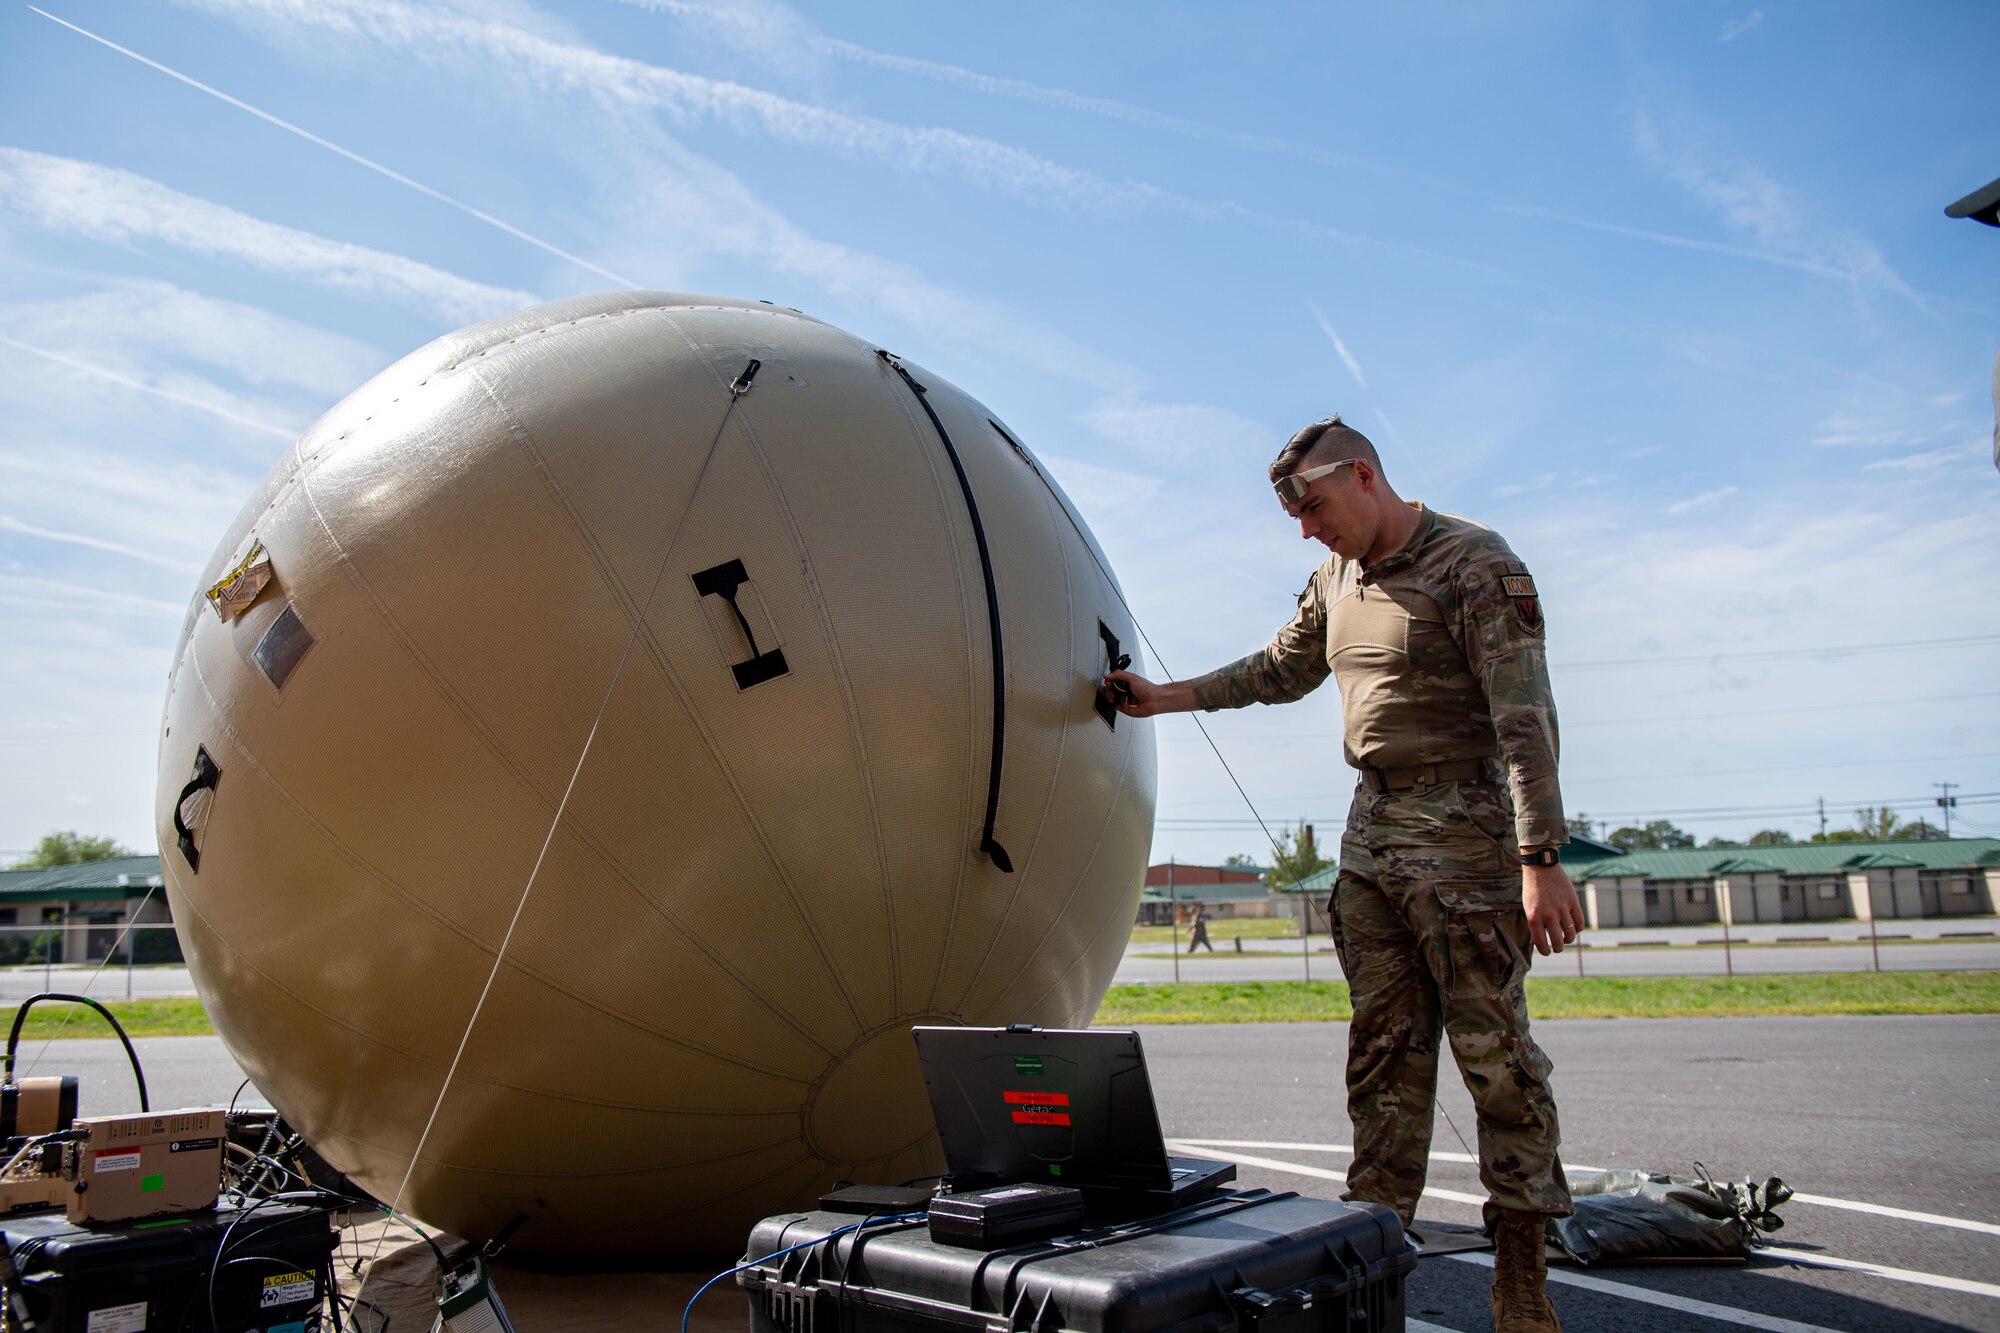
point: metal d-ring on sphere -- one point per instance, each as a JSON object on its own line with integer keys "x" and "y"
{"x": 784, "y": 843}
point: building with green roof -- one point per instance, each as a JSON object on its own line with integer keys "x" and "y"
{"x": 1819, "y": 881}
{"x": 89, "y": 903}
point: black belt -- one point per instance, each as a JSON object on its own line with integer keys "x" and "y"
{"x": 1423, "y": 775}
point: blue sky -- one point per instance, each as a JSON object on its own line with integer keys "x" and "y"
{"x": 1664, "y": 292}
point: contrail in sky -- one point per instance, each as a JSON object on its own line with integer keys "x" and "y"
{"x": 8, "y": 523}
{"x": 282, "y": 432}
{"x": 1353, "y": 366}
{"x": 349, "y": 154}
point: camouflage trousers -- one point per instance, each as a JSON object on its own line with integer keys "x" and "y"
{"x": 1431, "y": 935}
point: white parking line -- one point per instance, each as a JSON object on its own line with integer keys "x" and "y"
{"x": 1298, "y": 1169}
{"x": 1647, "y": 1296}
{"x": 1816, "y": 1200}
{"x": 1906, "y": 1214}
{"x": 1911, "y": 1275}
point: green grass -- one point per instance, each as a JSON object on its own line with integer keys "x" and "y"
{"x": 1582, "y": 997}
{"x": 1248, "y": 928}
{"x": 175, "y": 1016}
{"x": 1326, "y": 1001}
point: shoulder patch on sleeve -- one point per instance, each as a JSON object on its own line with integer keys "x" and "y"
{"x": 1519, "y": 587}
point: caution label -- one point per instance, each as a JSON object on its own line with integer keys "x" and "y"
{"x": 1035, "y": 1098}
{"x": 115, "y": 1159}
{"x": 117, "y": 1319}
{"x": 287, "y": 1289}
{"x": 194, "y": 1145}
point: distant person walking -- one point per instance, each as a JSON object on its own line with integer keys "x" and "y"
{"x": 1448, "y": 868}
{"x": 1199, "y": 931}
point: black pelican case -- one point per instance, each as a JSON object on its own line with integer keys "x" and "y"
{"x": 1247, "y": 1260}
{"x": 262, "y": 1264}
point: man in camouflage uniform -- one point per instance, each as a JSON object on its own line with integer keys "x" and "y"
{"x": 1433, "y": 629}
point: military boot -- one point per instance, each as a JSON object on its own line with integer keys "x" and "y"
{"x": 1520, "y": 1270}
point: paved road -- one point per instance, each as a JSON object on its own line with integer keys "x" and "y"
{"x": 1883, "y": 1112}
{"x": 1901, "y": 1112}
{"x": 1928, "y": 928}
{"x": 1270, "y": 960}
{"x": 110, "y": 983}
{"x": 1678, "y": 961}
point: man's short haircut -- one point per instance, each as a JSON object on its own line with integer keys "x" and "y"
{"x": 1321, "y": 443}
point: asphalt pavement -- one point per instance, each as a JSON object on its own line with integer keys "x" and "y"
{"x": 1860, "y": 1115}
{"x": 1682, "y": 951}
{"x": 1889, "y": 1127}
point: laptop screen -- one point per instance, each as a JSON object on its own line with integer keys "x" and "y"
{"x": 1050, "y": 1105}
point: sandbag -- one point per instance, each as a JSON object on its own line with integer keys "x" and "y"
{"x": 1624, "y": 1214}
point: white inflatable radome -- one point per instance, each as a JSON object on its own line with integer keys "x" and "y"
{"x": 756, "y": 667}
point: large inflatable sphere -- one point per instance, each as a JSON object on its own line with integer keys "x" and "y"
{"x": 700, "y": 697}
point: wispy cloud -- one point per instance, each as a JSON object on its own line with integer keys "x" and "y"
{"x": 53, "y": 595}
{"x": 1346, "y": 357}
{"x": 1737, "y": 27}
{"x": 109, "y": 204}
{"x": 1858, "y": 430}
{"x": 131, "y": 324}
{"x": 557, "y": 66}
{"x": 781, "y": 32}
{"x": 1931, "y": 460}
{"x": 332, "y": 147}
{"x": 160, "y": 504}
{"x": 196, "y": 402}
{"x": 476, "y": 43}
{"x": 1180, "y": 431}
{"x": 1100, "y": 490}
{"x": 8, "y": 523}
{"x": 1803, "y": 265}
{"x": 1745, "y": 197}
{"x": 1541, "y": 483}
{"x": 661, "y": 197}
{"x": 1700, "y": 501}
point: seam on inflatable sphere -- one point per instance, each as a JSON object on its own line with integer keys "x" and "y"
{"x": 546, "y": 329}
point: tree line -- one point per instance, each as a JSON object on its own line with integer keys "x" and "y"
{"x": 1871, "y": 824}
{"x": 1296, "y": 855}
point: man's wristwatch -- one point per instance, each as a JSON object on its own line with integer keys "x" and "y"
{"x": 1541, "y": 856}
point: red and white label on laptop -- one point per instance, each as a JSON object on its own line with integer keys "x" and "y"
{"x": 1038, "y": 1108}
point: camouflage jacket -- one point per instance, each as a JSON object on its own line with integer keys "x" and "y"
{"x": 1437, "y": 650}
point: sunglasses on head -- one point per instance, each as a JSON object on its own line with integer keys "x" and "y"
{"x": 1292, "y": 487}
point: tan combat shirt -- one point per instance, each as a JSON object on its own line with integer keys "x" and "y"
{"x": 1437, "y": 649}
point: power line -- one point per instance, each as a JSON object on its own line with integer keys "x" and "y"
{"x": 1792, "y": 810}
{"x": 1773, "y": 712}
{"x": 1783, "y": 768}
{"x": 1780, "y": 654}
{"x": 1684, "y": 717}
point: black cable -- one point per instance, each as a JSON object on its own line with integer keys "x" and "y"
{"x": 779, "y": 1254}
{"x": 216, "y": 1264}
{"x": 988, "y": 844}
{"x": 21, "y": 1017}
{"x": 854, "y": 1251}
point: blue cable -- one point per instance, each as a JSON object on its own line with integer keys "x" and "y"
{"x": 792, "y": 1249}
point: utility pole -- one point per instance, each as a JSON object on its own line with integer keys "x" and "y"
{"x": 1947, "y": 803}
{"x": 1822, "y": 819}
{"x": 1307, "y": 853}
